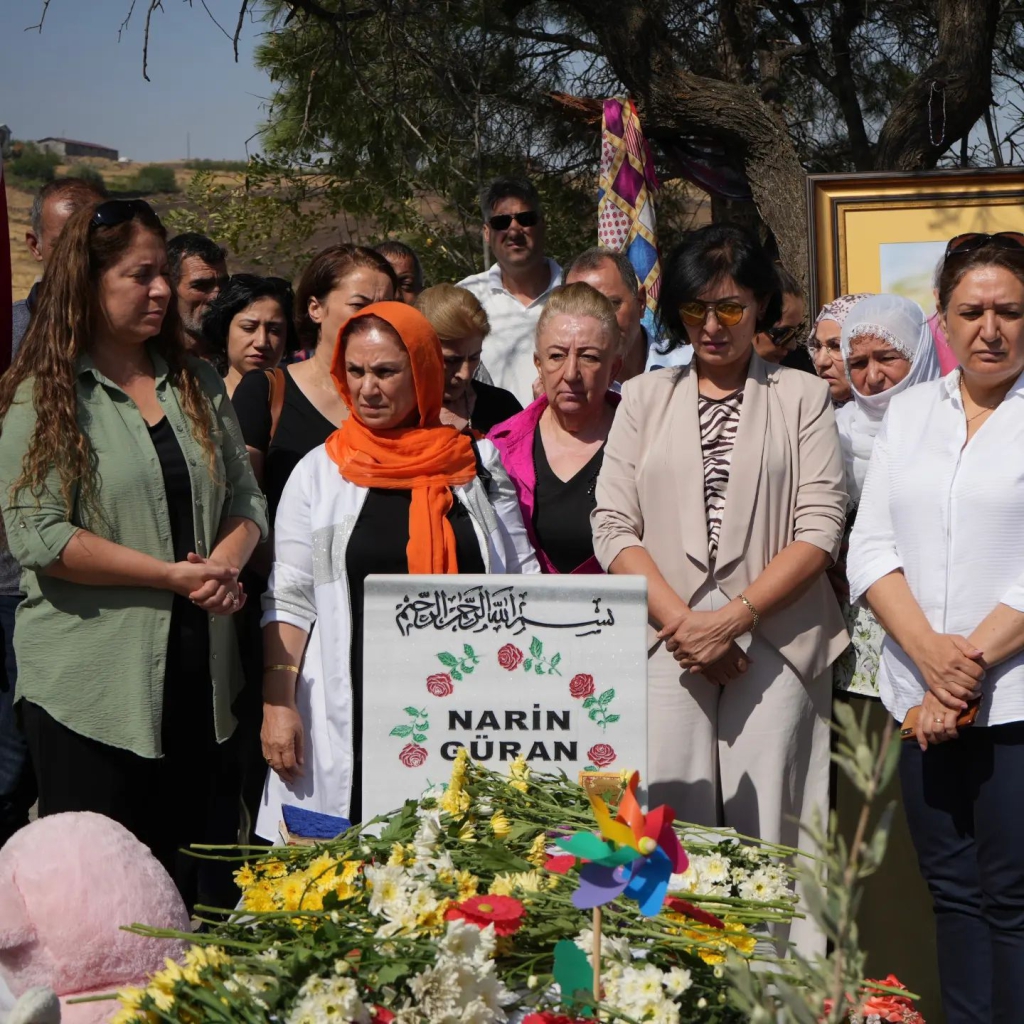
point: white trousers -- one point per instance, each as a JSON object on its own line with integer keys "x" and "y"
{"x": 752, "y": 755}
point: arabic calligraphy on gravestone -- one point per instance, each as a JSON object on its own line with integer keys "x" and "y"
{"x": 551, "y": 669}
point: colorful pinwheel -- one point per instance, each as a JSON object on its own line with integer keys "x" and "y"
{"x": 635, "y": 854}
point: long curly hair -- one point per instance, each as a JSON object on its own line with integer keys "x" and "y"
{"x": 61, "y": 329}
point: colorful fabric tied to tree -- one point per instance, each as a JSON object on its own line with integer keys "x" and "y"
{"x": 625, "y": 202}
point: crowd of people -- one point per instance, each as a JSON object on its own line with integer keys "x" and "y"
{"x": 199, "y": 471}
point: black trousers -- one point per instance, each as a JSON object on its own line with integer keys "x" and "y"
{"x": 965, "y": 809}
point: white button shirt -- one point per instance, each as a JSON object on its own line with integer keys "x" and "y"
{"x": 508, "y": 348}
{"x": 952, "y": 518}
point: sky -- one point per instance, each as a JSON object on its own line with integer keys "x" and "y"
{"x": 75, "y": 80}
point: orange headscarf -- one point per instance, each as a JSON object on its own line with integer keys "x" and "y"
{"x": 426, "y": 459}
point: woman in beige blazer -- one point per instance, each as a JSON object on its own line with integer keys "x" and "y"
{"x": 723, "y": 485}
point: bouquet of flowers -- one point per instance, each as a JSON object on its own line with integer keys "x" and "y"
{"x": 450, "y": 916}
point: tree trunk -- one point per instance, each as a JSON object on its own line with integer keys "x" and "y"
{"x": 944, "y": 102}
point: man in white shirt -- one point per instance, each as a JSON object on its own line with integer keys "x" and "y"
{"x": 612, "y": 274}
{"x": 514, "y": 290}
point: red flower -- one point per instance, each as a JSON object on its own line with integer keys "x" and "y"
{"x": 886, "y": 1005}
{"x": 382, "y": 1015}
{"x": 412, "y": 755}
{"x": 560, "y": 864}
{"x": 601, "y": 754}
{"x": 510, "y": 657}
{"x": 440, "y": 685}
{"x": 505, "y": 913}
{"x": 581, "y": 686}
{"x": 550, "y": 1017}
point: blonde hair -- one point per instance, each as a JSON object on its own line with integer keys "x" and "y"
{"x": 580, "y": 299}
{"x": 453, "y": 312}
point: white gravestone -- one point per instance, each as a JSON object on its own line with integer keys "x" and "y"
{"x": 550, "y": 667}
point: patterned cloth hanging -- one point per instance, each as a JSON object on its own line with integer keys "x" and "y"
{"x": 625, "y": 203}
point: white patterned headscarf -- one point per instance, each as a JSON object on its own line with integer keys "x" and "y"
{"x": 838, "y": 309}
{"x": 903, "y": 324}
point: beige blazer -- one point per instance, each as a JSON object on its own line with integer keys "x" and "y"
{"x": 785, "y": 484}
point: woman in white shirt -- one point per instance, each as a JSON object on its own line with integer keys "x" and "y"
{"x": 392, "y": 491}
{"x": 937, "y": 552}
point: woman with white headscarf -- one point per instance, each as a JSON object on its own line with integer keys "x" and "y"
{"x": 887, "y": 347}
{"x": 823, "y": 346}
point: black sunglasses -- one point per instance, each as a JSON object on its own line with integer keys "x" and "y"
{"x": 525, "y": 219}
{"x": 972, "y": 240}
{"x": 117, "y": 211}
{"x": 782, "y": 336}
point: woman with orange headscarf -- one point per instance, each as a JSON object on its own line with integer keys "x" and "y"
{"x": 392, "y": 491}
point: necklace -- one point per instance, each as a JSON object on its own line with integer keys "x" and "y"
{"x": 323, "y": 379}
{"x": 971, "y": 419}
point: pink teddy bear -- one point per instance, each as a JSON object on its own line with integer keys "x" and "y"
{"x": 68, "y": 883}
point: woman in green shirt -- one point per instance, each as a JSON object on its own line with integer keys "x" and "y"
{"x": 130, "y": 504}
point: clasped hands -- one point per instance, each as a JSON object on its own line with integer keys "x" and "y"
{"x": 705, "y": 642}
{"x": 953, "y": 669}
{"x": 207, "y": 583}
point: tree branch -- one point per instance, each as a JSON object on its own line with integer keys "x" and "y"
{"x": 560, "y": 38}
{"x": 42, "y": 18}
{"x": 238, "y": 27}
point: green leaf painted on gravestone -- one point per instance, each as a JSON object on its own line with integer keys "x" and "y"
{"x": 419, "y": 737}
{"x": 611, "y": 718}
{"x": 555, "y": 660}
{"x": 606, "y": 698}
{"x": 468, "y": 651}
{"x": 590, "y": 702}
{"x": 415, "y": 712}
{"x": 401, "y": 730}
{"x": 448, "y": 659}
{"x": 456, "y": 675}
{"x": 528, "y": 664}
{"x": 536, "y": 647}
{"x": 539, "y": 669}
{"x": 572, "y": 972}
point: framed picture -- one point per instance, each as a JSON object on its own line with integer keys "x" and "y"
{"x": 887, "y": 232}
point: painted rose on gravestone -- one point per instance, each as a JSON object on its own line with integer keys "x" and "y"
{"x": 412, "y": 755}
{"x": 601, "y": 754}
{"x": 440, "y": 684}
{"x": 581, "y": 686}
{"x": 510, "y": 657}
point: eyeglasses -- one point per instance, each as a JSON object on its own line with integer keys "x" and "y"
{"x": 976, "y": 239}
{"x": 503, "y": 221}
{"x": 781, "y": 336}
{"x": 117, "y": 211}
{"x": 727, "y": 313}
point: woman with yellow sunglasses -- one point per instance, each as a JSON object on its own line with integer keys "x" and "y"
{"x": 722, "y": 484}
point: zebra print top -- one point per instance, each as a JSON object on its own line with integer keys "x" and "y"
{"x": 719, "y": 419}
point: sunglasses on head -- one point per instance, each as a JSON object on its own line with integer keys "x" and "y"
{"x": 976, "y": 239}
{"x": 781, "y": 336}
{"x": 728, "y": 313}
{"x": 117, "y": 211}
{"x": 503, "y": 221}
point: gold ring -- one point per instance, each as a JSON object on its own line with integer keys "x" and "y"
{"x": 938, "y": 721}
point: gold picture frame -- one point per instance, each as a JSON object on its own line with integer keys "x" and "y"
{"x": 887, "y": 231}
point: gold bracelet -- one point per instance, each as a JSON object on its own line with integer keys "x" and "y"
{"x": 753, "y": 611}
{"x": 281, "y": 668}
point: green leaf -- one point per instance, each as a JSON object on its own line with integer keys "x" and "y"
{"x": 539, "y": 669}
{"x": 390, "y": 971}
{"x": 606, "y": 698}
{"x": 419, "y": 737}
{"x": 528, "y": 664}
{"x": 448, "y": 659}
{"x": 456, "y": 675}
{"x": 536, "y": 647}
{"x": 468, "y": 669}
{"x": 611, "y": 718}
{"x": 401, "y": 730}
{"x": 590, "y": 702}
{"x": 593, "y": 713}
{"x": 468, "y": 651}
{"x": 415, "y": 712}
{"x": 555, "y": 660}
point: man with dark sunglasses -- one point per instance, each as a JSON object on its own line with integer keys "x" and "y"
{"x": 514, "y": 290}
{"x": 198, "y": 272}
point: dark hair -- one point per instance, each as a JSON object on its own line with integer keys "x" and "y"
{"x": 241, "y": 291}
{"x": 392, "y": 249}
{"x": 957, "y": 266}
{"x": 76, "y": 192}
{"x": 191, "y": 243}
{"x": 327, "y": 270}
{"x": 705, "y": 257}
{"x": 592, "y": 259}
{"x": 509, "y": 188}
